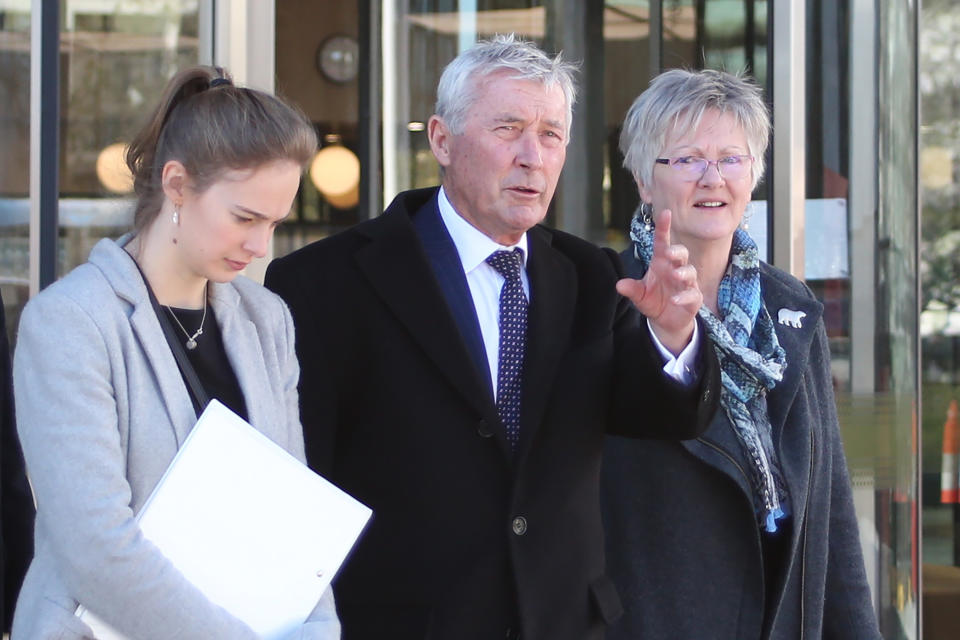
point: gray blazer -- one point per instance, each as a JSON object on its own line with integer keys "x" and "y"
{"x": 683, "y": 545}
{"x": 101, "y": 411}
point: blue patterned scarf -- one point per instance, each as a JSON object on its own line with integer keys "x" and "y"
{"x": 751, "y": 363}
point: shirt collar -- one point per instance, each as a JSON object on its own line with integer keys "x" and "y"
{"x": 473, "y": 246}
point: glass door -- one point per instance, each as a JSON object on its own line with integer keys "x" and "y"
{"x": 15, "y": 41}
{"x": 115, "y": 59}
{"x": 940, "y": 315}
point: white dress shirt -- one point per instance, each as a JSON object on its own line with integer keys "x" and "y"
{"x": 473, "y": 247}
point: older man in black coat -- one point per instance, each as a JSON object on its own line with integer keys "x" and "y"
{"x": 461, "y": 365}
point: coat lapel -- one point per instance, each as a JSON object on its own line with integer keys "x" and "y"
{"x": 795, "y": 438}
{"x": 176, "y": 398}
{"x": 553, "y": 294}
{"x": 448, "y": 271}
{"x": 123, "y": 275}
{"x": 398, "y": 270}
{"x": 242, "y": 344}
{"x": 795, "y": 340}
{"x": 719, "y": 446}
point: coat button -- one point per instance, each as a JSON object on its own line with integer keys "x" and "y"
{"x": 484, "y": 430}
{"x": 519, "y": 525}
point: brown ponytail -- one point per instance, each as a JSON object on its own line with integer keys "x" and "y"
{"x": 212, "y": 126}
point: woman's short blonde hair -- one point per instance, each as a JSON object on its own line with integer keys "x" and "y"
{"x": 677, "y": 99}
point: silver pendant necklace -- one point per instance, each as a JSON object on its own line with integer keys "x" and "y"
{"x": 191, "y": 342}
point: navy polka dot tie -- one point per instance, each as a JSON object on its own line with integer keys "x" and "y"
{"x": 513, "y": 334}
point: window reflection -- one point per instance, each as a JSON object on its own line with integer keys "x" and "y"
{"x": 318, "y": 60}
{"x": 721, "y": 34}
{"x": 14, "y": 163}
{"x": 426, "y": 36}
{"x": 115, "y": 59}
{"x": 728, "y": 35}
{"x": 940, "y": 315}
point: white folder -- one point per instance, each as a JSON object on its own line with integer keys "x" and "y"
{"x": 252, "y": 527}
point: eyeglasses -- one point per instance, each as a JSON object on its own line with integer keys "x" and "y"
{"x": 692, "y": 168}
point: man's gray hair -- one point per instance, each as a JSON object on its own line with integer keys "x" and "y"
{"x": 458, "y": 85}
{"x": 677, "y": 100}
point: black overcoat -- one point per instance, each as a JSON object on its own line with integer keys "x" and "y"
{"x": 397, "y": 414}
{"x": 16, "y": 500}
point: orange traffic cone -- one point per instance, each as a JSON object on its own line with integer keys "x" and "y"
{"x": 950, "y": 468}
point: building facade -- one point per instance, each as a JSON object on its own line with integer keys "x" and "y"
{"x": 865, "y": 99}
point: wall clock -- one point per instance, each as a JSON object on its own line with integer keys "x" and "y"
{"x": 338, "y": 58}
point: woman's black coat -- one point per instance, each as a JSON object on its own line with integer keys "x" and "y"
{"x": 683, "y": 544}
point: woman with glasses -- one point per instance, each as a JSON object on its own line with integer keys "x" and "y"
{"x": 749, "y": 531}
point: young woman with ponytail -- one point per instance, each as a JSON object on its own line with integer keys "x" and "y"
{"x": 102, "y": 403}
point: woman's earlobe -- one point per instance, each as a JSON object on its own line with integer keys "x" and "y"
{"x": 645, "y": 194}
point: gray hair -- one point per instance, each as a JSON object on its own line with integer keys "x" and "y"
{"x": 677, "y": 99}
{"x": 456, "y": 90}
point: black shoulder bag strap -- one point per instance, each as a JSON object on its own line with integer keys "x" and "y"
{"x": 197, "y": 393}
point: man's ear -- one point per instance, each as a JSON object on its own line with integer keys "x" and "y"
{"x": 174, "y": 180}
{"x": 440, "y": 138}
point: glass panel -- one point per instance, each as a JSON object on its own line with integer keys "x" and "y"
{"x": 421, "y": 37}
{"x": 115, "y": 60}
{"x": 318, "y": 57}
{"x": 626, "y": 36}
{"x": 940, "y": 318}
{"x": 828, "y": 176}
{"x": 14, "y": 159}
{"x": 897, "y": 358}
{"x": 864, "y": 175}
{"x": 721, "y": 34}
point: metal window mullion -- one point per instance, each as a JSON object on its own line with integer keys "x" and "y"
{"x": 244, "y": 41}
{"x": 44, "y": 142}
{"x": 394, "y": 58}
{"x": 655, "y": 38}
{"x": 370, "y": 101}
{"x": 207, "y": 31}
{"x": 917, "y": 345}
{"x": 788, "y": 221}
{"x": 576, "y": 29}
{"x": 863, "y": 196}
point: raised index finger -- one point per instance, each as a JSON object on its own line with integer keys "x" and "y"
{"x": 661, "y": 232}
